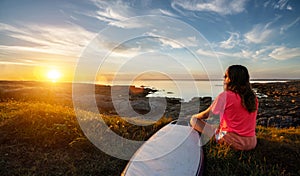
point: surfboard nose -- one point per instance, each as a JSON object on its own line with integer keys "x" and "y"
{"x": 173, "y": 150}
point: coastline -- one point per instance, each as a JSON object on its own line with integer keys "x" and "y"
{"x": 281, "y": 106}
{"x": 279, "y": 102}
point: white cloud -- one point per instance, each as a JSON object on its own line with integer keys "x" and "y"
{"x": 120, "y": 14}
{"x": 113, "y": 12}
{"x": 289, "y": 7}
{"x": 222, "y": 7}
{"x": 126, "y": 53}
{"x": 246, "y": 54}
{"x": 66, "y": 40}
{"x": 20, "y": 55}
{"x": 190, "y": 41}
{"x": 167, "y": 13}
{"x": 130, "y": 23}
{"x": 8, "y": 28}
{"x": 281, "y": 4}
{"x": 176, "y": 43}
{"x": 207, "y": 53}
{"x": 258, "y": 34}
{"x": 169, "y": 42}
{"x": 283, "y": 53}
{"x": 262, "y": 53}
{"x": 286, "y": 27}
{"x": 231, "y": 42}
{"x": 109, "y": 15}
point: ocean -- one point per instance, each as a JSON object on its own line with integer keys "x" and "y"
{"x": 186, "y": 89}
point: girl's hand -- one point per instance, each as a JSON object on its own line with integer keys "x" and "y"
{"x": 195, "y": 116}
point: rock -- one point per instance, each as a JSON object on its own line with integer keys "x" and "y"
{"x": 263, "y": 121}
{"x": 278, "y": 103}
{"x": 280, "y": 106}
{"x": 206, "y": 100}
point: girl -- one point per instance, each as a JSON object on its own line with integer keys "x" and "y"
{"x": 237, "y": 108}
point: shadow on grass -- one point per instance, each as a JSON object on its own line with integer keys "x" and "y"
{"x": 268, "y": 158}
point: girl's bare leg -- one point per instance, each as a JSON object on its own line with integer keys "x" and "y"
{"x": 202, "y": 126}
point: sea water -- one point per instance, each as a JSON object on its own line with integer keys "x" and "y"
{"x": 183, "y": 89}
{"x": 186, "y": 89}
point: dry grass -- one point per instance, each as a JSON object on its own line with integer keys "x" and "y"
{"x": 277, "y": 153}
{"x": 40, "y": 135}
{"x": 43, "y": 139}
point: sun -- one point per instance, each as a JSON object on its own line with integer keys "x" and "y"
{"x": 53, "y": 75}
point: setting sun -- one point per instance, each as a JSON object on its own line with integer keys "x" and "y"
{"x": 53, "y": 75}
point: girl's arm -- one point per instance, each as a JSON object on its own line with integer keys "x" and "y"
{"x": 203, "y": 115}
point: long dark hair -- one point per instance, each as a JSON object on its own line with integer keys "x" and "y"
{"x": 240, "y": 83}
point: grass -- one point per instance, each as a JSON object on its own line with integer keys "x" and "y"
{"x": 40, "y": 135}
{"x": 44, "y": 139}
{"x": 277, "y": 153}
{"x": 38, "y": 138}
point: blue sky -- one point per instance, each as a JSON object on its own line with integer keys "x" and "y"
{"x": 158, "y": 37}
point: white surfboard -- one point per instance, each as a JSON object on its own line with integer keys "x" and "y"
{"x": 173, "y": 150}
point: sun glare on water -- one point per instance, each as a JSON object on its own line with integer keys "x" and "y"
{"x": 53, "y": 75}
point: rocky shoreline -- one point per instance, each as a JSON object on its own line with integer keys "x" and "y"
{"x": 279, "y": 104}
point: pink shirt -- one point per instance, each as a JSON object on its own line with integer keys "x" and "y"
{"x": 233, "y": 116}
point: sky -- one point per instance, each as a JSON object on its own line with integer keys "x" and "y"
{"x": 97, "y": 40}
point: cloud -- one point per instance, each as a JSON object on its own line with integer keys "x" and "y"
{"x": 114, "y": 13}
{"x": 41, "y": 44}
{"x": 284, "y": 53}
{"x": 281, "y": 4}
{"x": 286, "y": 27}
{"x": 165, "y": 41}
{"x": 169, "y": 42}
{"x": 109, "y": 15}
{"x": 258, "y": 34}
{"x": 176, "y": 43}
{"x": 232, "y": 41}
{"x": 206, "y": 53}
{"x": 222, "y": 7}
{"x": 289, "y": 7}
{"x": 264, "y": 53}
{"x": 119, "y": 13}
{"x": 167, "y": 13}
{"x": 240, "y": 51}
{"x": 11, "y": 29}
{"x": 64, "y": 40}
{"x": 111, "y": 11}
{"x": 130, "y": 52}
{"x": 132, "y": 23}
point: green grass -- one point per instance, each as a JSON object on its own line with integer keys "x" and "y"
{"x": 42, "y": 138}
{"x": 277, "y": 153}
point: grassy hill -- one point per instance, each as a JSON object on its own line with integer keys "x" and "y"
{"x": 39, "y": 138}
{"x": 40, "y": 135}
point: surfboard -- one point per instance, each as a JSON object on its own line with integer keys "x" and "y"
{"x": 173, "y": 150}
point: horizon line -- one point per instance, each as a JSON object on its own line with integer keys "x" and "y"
{"x": 159, "y": 79}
